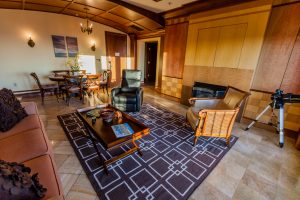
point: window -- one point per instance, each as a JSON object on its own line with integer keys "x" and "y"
{"x": 88, "y": 63}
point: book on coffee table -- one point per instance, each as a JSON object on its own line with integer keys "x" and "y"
{"x": 122, "y": 130}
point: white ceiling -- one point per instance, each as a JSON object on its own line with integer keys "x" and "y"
{"x": 161, "y": 6}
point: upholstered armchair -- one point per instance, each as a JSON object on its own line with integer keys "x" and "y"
{"x": 214, "y": 117}
{"x": 128, "y": 97}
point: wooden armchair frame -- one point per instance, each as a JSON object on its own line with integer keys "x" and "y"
{"x": 217, "y": 121}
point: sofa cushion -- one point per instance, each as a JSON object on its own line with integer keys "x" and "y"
{"x": 7, "y": 118}
{"x": 28, "y": 123}
{"x": 23, "y": 146}
{"x": 44, "y": 166}
{"x": 7, "y": 97}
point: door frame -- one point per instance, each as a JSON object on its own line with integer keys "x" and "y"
{"x": 145, "y": 61}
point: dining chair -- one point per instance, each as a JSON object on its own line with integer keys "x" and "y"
{"x": 106, "y": 80}
{"x": 92, "y": 84}
{"x": 72, "y": 87}
{"x": 44, "y": 88}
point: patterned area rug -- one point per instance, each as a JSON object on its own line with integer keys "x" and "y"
{"x": 170, "y": 168}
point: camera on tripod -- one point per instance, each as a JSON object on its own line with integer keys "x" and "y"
{"x": 278, "y": 100}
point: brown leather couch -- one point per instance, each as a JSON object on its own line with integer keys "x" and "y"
{"x": 27, "y": 143}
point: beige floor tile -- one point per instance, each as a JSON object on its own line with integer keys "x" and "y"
{"x": 260, "y": 184}
{"x": 63, "y": 147}
{"x": 207, "y": 191}
{"x": 68, "y": 180}
{"x": 73, "y": 195}
{"x": 71, "y": 166}
{"x": 83, "y": 185}
{"x": 243, "y": 192}
{"x": 222, "y": 181}
{"x": 59, "y": 159}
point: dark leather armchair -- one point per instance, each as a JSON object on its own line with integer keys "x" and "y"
{"x": 128, "y": 97}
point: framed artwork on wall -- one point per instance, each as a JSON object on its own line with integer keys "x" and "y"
{"x": 59, "y": 46}
{"x": 72, "y": 46}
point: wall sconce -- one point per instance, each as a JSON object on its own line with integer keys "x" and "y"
{"x": 30, "y": 42}
{"x": 93, "y": 47}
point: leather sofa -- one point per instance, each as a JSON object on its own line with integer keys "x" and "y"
{"x": 27, "y": 143}
{"x": 128, "y": 97}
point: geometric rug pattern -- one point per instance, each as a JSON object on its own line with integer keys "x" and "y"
{"x": 170, "y": 168}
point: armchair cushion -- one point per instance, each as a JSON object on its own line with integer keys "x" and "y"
{"x": 126, "y": 98}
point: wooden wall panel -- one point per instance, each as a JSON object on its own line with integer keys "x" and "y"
{"x": 223, "y": 47}
{"x": 230, "y": 44}
{"x": 206, "y": 46}
{"x": 174, "y": 50}
{"x": 291, "y": 79}
{"x": 277, "y": 48}
{"x": 240, "y": 78}
{"x": 238, "y": 43}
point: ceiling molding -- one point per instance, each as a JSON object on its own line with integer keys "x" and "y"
{"x": 147, "y": 13}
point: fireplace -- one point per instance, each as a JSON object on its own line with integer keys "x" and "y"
{"x": 207, "y": 90}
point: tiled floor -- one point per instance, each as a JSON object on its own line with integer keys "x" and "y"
{"x": 255, "y": 168}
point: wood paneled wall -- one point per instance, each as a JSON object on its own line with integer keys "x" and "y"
{"x": 174, "y": 50}
{"x": 173, "y": 59}
{"x": 279, "y": 63}
{"x": 223, "y": 46}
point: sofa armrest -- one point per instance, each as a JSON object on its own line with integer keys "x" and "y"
{"x": 30, "y": 108}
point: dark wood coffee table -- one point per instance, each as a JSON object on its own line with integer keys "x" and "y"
{"x": 102, "y": 132}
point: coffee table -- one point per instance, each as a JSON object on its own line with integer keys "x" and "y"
{"x": 102, "y": 132}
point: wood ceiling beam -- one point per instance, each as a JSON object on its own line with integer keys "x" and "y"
{"x": 66, "y": 7}
{"x": 200, "y": 6}
{"x": 147, "y": 13}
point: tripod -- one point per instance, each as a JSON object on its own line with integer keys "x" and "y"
{"x": 280, "y": 124}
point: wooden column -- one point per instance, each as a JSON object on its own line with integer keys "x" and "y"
{"x": 133, "y": 49}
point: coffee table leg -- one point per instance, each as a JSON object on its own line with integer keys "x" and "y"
{"x": 97, "y": 150}
{"x": 138, "y": 148}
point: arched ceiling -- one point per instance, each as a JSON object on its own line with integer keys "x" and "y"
{"x": 112, "y": 13}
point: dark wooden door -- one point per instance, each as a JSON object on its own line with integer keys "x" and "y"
{"x": 116, "y": 52}
{"x": 150, "y": 61}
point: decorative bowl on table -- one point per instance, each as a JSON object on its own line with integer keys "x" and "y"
{"x": 107, "y": 114}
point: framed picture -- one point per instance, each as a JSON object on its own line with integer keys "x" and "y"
{"x": 72, "y": 46}
{"x": 59, "y": 46}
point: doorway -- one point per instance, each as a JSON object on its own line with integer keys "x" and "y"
{"x": 150, "y": 62}
{"x": 116, "y": 53}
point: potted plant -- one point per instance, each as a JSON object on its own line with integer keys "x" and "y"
{"x": 74, "y": 64}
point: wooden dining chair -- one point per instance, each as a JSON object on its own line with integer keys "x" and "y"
{"x": 44, "y": 88}
{"x": 92, "y": 84}
{"x": 106, "y": 80}
{"x": 73, "y": 86}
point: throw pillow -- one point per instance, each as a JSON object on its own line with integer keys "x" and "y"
{"x": 17, "y": 183}
{"x": 7, "y": 118}
{"x": 7, "y": 97}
